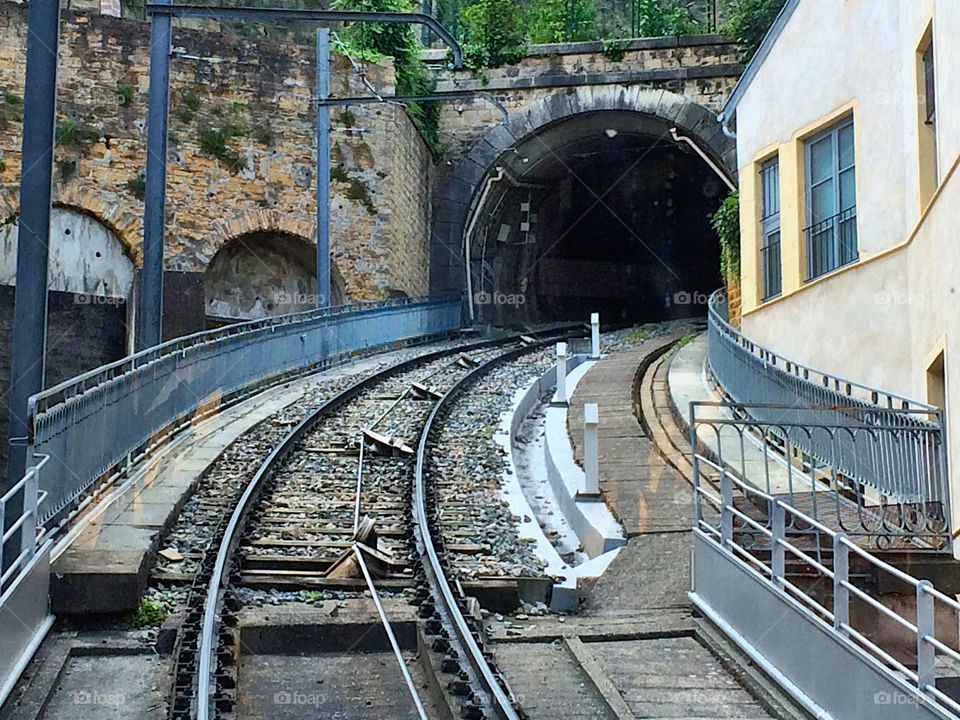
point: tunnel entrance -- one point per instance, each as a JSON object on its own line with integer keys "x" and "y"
{"x": 604, "y": 212}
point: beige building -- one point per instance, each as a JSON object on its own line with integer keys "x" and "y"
{"x": 848, "y": 139}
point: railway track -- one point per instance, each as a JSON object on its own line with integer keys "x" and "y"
{"x": 344, "y": 502}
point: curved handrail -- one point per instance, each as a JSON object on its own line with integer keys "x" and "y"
{"x": 78, "y": 384}
{"x": 792, "y": 367}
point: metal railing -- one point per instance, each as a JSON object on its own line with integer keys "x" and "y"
{"x": 831, "y": 243}
{"x": 91, "y": 424}
{"x": 867, "y": 436}
{"x": 821, "y": 466}
{"x": 18, "y": 543}
{"x": 780, "y": 549}
{"x": 736, "y": 362}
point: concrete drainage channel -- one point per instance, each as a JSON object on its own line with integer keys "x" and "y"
{"x": 575, "y": 534}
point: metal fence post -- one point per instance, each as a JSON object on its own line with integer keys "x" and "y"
{"x": 926, "y": 652}
{"x": 3, "y": 530}
{"x": 591, "y": 448}
{"x": 841, "y": 573}
{"x": 695, "y": 461}
{"x": 561, "y": 397}
{"x": 777, "y": 551}
{"x": 28, "y": 531}
{"x": 594, "y": 336}
{"x": 726, "y": 514}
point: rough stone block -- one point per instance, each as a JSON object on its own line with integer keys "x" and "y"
{"x": 94, "y": 580}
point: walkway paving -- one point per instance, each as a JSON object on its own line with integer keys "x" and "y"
{"x": 660, "y": 669}
{"x": 641, "y": 489}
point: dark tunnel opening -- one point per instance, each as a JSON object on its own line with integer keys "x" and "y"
{"x": 603, "y": 212}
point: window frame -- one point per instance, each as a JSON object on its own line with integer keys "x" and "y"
{"x": 770, "y": 249}
{"x": 844, "y": 219}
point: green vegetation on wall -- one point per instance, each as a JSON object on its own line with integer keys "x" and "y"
{"x": 726, "y": 223}
{"x": 495, "y": 32}
{"x": 214, "y": 142}
{"x": 491, "y": 33}
{"x": 659, "y": 18}
{"x": 372, "y": 41}
{"x": 553, "y": 21}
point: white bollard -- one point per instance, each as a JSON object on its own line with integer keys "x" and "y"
{"x": 594, "y": 336}
{"x": 561, "y": 396}
{"x": 591, "y": 449}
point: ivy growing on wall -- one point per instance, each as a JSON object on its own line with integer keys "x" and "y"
{"x": 726, "y": 223}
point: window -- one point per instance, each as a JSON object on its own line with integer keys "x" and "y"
{"x": 770, "y": 227}
{"x": 831, "y": 199}
{"x": 927, "y": 118}
{"x": 929, "y": 94}
{"x": 937, "y": 382}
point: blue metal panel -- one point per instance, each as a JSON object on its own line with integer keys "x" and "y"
{"x": 89, "y": 424}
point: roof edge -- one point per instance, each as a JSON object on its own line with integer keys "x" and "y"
{"x": 756, "y": 61}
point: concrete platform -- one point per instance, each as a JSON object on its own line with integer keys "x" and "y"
{"x": 105, "y": 566}
{"x": 634, "y": 650}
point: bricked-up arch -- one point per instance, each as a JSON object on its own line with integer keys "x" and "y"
{"x": 264, "y": 273}
{"x": 653, "y": 112}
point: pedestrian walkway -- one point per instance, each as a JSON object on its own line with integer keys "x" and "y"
{"x": 664, "y": 670}
{"x": 640, "y": 488}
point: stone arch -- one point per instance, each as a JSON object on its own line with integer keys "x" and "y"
{"x": 460, "y": 188}
{"x": 125, "y": 224}
{"x": 264, "y": 272}
{"x": 258, "y": 220}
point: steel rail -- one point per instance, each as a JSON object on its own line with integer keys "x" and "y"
{"x": 483, "y": 676}
{"x": 252, "y": 13}
{"x": 219, "y": 578}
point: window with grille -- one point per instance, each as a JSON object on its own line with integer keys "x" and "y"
{"x": 831, "y": 187}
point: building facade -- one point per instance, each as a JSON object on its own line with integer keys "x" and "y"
{"x": 848, "y": 139}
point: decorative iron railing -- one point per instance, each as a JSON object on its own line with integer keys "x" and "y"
{"x": 832, "y": 243}
{"x": 881, "y": 453}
